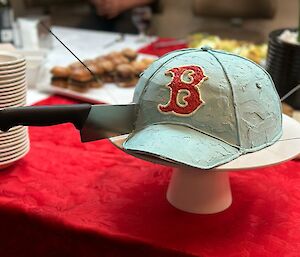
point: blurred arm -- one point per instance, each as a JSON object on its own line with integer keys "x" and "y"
{"x": 112, "y": 8}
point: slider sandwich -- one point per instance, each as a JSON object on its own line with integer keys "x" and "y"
{"x": 60, "y": 76}
{"x": 125, "y": 76}
{"x": 139, "y": 67}
{"x": 119, "y": 60}
{"x": 130, "y": 54}
{"x": 108, "y": 68}
{"x": 98, "y": 72}
{"x": 81, "y": 80}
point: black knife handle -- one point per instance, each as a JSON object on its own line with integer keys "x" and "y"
{"x": 44, "y": 115}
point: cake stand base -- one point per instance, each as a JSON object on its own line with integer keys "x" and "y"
{"x": 197, "y": 191}
{"x": 208, "y": 191}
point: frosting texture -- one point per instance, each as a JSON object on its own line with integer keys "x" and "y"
{"x": 240, "y": 110}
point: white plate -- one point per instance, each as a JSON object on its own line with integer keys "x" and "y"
{"x": 14, "y": 129}
{"x": 13, "y": 86}
{"x": 18, "y": 103}
{"x": 13, "y": 67}
{"x": 4, "y": 83}
{"x": 11, "y": 101}
{"x": 13, "y": 97}
{"x": 15, "y": 75}
{"x": 12, "y": 71}
{"x": 13, "y": 132}
{"x": 11, "y": 159}
{"x": 12, "y": 93}
{"x": 16, "y": 98}
{"x": 12, "y": 136}
{"x": 109, "y": 93}
{"x": 10, "y": 58}
{"x": 13, "y": 141}
{"x": 4, "y": 152}
{"x": 8, "y": 96}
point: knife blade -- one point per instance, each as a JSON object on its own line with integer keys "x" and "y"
{"x": 94, "y": 122}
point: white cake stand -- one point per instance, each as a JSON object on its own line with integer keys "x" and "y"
{"x": 208, "y": 191}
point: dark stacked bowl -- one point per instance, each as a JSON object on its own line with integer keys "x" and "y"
{"x": 283, "y": 63}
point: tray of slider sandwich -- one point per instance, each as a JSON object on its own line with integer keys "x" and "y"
{"x": 116, "y": 73}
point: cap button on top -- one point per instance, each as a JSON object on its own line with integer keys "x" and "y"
{"x": 206, "y": 48}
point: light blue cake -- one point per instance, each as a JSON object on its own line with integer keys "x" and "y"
{"x": 203, "y": 108}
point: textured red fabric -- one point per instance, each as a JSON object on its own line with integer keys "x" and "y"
{"x": 152, "y": 49}
{"x": 66, "y": 198}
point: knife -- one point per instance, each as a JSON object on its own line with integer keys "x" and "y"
{"x": 93, "y": 121}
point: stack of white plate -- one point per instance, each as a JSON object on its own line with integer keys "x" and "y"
{"x": 14, "y": 144}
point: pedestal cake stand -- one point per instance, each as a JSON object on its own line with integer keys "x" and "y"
{"x": 208, "y": 191}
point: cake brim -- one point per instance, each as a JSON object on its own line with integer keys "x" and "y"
{"x": 181, "y": 144}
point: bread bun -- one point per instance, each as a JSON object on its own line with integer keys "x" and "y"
{"x": 62, "y": 83}
{"x": 125, "y": 70}
{"x": 120, "y": 60}
{"x": 76, "y": 88}
{"x": 75, "y": 65}
{"x": 107, "y": 65}
{"x": 129, "y": 83}
{"x": 147, "y": 61}
{"x": 81, "y": 75}
{"x": 95, "y": 69}
{"x": 61, "y": 72}
{"x": 129, "y": 53}
{"x": 95, "y": 84}
{"x": 138, "y": 67}
{"x": 113, "y": 55}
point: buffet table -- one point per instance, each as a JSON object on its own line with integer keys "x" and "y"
{"x": 66, "y": 198}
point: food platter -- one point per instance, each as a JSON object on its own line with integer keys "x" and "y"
{"x": 109, "y": 93}
{"x": 249, "y": 50}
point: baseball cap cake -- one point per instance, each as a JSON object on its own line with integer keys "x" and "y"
{"x": 203, "y": 108}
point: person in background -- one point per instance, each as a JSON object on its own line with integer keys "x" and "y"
{"x": 113, "y": 15}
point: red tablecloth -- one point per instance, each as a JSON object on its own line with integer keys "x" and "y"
{"x": 159, "y": 51}
{"x": 71, "y": 199}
